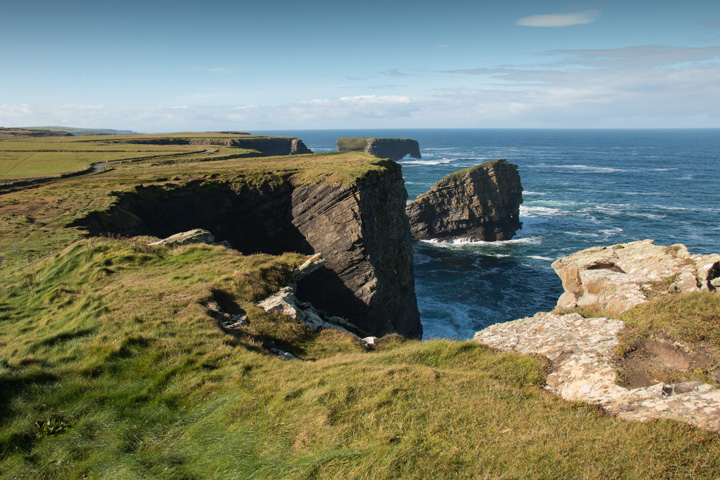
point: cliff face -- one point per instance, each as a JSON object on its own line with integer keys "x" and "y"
{"x": 392, "y": 148}
{"x": 267, "y": 146}
{"x": 360, "y": 228}
{"x": 479, "y": 203}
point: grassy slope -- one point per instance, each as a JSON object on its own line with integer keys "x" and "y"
{"x": 110, "y": 342}
{"x": 112, "y": 367}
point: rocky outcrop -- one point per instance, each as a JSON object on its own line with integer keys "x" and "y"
{"x": 360, "y": 229}
{"x": 478, "y": 203}
{"x": 619, "y": 277}
{"x": 197, "y": 235}
{"x": 581, "y": 350}
{"x": 392, "y": 148}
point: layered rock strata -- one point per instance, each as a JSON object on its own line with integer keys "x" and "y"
{"x": 478, "y": 203}
{"x": 359, "y": 228}
{"x": 392, "y": 148}
{"x": 618, "y": 277}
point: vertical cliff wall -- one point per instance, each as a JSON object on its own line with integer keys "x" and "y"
{"x": 360, "y": 228}
{"x": 478, "y": 203}
{"x": 364, "y": 234}
{"x": 392, "y": 148}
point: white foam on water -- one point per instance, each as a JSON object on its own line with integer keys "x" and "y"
{"x": 649, "y": 216}
{"x": 459, "y": 242}
{"x": 527, "y": 211}
{"x": 583, "y": 168}
{"x": 665, "y": 207}
{"x": 540, "y": 194}
{"x": 538, "y": 257}
{"x": 611, "y": 232}
{"x": 444, "y": 161}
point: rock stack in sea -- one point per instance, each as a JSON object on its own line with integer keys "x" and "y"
{"x": 478, "y": 203}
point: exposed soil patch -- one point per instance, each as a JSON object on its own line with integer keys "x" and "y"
{"x": 658, "y": 360}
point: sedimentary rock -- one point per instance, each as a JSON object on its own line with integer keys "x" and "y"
{"x": 197, "y": 235}
{"x": 392, "y": 148}
{"x": 360, "y": 228}
{"x": 581, "y": 350}
{"x": 478, "y": 203}
{"x": 619, "y": 277}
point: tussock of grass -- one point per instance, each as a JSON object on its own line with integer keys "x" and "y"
{"x": 111, "y": 342}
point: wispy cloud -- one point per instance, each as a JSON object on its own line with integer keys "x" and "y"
{"x": 224, "y": 70}
{"x": 639, "y": 56}
{"x": 559, "y": 19}
{"x": 397, "y": 73}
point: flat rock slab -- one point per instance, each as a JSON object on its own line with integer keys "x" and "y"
{"x": 581, "y": 350}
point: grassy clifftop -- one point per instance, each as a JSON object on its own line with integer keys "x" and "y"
{"x": 112, "y": 365}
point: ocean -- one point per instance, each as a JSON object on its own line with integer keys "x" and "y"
{"x": 582, "y": 188}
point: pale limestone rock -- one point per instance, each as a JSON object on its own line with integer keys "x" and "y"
{"x": 197, "y": 235}
{"x": 620, "y": 277}
{"x": 581, "y": 349}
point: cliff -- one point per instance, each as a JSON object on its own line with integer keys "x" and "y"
{"x": 266, "y": 146}
{"x": 478, "y": 203}
{"x": 392, "y": 148}
{"x": 359, "y": 227}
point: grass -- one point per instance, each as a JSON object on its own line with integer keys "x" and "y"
{"x": 22, "y": 158}
{"x": 109, "y": 344}
{"x": 692, "y": 317}
{"x": 112, "y": 366}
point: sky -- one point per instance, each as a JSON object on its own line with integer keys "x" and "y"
{"x": 167, "y": 66}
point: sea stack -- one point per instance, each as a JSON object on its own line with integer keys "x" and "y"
{"x": 478, "y": 203}
{"x": 392, "y": 148}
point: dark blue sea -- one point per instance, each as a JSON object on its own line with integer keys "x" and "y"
{"x": 582, "y": 188}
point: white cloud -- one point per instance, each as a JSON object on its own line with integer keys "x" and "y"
{"x": 559, "y": 19}
{"x": 644, "y": 86}
{"x": 316, "y": 113}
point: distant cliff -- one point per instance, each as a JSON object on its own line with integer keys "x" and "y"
{"x": 478, "y": 203}
{"x": 266, "y": 146}
{"x": 392, "y": 148}
{"x": 360, "y": 228}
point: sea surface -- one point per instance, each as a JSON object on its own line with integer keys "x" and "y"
{"x": 582, "y": 188}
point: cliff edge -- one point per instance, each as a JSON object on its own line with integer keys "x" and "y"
{"x": 392, "y": 148}
{"x": 478, "y": 203}
{"x": 358, "y": 226}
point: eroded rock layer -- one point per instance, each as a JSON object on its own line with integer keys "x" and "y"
{"x": 618, "y": 277}
{"x": 359, "y": 228}
{"x": 392, "y": 148}
{"x": 478, "y": 203}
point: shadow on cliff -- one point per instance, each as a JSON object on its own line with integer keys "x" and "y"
{"x": 253, "y": 220}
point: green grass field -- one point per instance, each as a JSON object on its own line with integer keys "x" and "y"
{"x": 23, "y": 158}
{"x": 113, "y": 367}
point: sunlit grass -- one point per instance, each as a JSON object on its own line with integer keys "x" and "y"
{"x": 112, "y": 339}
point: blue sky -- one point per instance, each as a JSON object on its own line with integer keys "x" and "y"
{"x": 159, "y": 66}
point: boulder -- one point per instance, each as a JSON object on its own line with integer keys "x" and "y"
{"x": 619, "y": 277}
{"x": 478, "y": 203}
{"x": 197, "y": 235}
{"x": 392, "y": 148}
